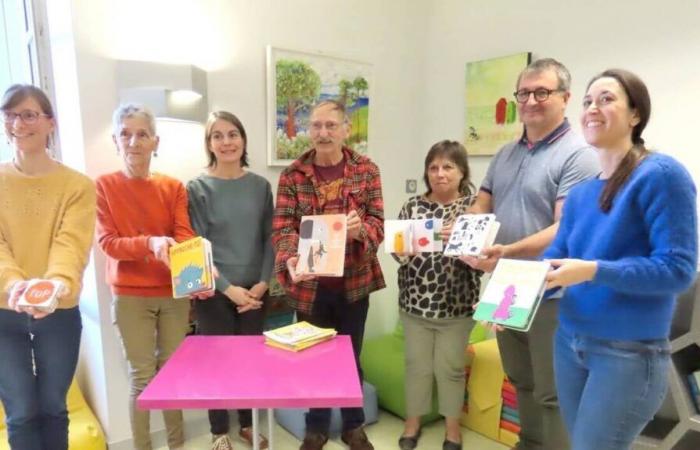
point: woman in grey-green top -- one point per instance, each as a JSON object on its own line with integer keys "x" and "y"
{"x": 232, "y": 208}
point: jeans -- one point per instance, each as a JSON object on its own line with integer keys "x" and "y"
{"x": 218, "y": 316}
{"x": 608, "y": 389}
{"x": 35, "y": 398}
{"x": 332, "y": 310}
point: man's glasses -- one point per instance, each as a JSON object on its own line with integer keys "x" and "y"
{"x": 330, "y": 126}
{"x": 540, "y": 94}
{"x": 28, "y": 116}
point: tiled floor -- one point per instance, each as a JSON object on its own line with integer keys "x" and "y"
{"x": 384, "y": 435}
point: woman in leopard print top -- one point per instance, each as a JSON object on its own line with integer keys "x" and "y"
{"x": 436, "y": 294}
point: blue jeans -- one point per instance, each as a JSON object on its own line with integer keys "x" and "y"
{"x": 35, "y": 402}
{"x": 608, "y": 389}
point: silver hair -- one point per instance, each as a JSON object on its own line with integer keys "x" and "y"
{"x": 133, "y": 110}
{"x": 540, "y": 65}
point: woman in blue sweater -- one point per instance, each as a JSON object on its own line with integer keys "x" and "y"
{"x": 626, "y": 246}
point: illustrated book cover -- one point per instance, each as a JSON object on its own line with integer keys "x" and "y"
{"x": 298, "y": 336}
{"x": 412, "y": 236}
{"x": 191, "y": 267}
{"x": 321, "y": 246}
{"x": 471, "y": 233}
{"x": 513, "y": 293}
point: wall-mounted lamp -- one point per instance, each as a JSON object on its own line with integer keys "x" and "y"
{"x": 171, "y": 90}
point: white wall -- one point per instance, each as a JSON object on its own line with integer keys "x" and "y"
{"x": 418, "y": 49}
{"x": 660, "y": 41}
{"x": 228, "y": 39}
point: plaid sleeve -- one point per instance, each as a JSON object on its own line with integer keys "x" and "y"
{"x": 285, "y": 235}
{"x": 372, "y": 232}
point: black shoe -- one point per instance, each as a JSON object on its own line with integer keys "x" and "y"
{"x": 449, "y": 445}
{"x": 410, "y": 442}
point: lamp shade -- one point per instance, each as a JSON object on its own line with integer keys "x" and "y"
{"x": 171, "y": 90}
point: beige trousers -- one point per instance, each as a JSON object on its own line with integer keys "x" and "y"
{"x": 435, "y": 350}
{"x": 150, "y": 328}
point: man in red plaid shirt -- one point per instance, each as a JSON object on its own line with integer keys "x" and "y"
{"x": 332, "y": 179}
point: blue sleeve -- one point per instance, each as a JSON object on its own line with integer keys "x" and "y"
{"x": 667, "y": 203}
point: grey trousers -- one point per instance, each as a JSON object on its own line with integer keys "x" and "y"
{"x": 528, "y": 361}
{"x": 435, "y": 350}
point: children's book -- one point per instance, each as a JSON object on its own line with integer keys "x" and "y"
{"x": 412, "y": 236}
{"x": 298, "y": 336}
{"x": 471, "y": 233}
{"x": 513, "y": 293}
{"x": 191, "y": 267}
{"x": 41, "y": 294}
{"x": 321, "y": 246}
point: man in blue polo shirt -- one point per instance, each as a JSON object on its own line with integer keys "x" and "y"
{"x": 525, "y": 186}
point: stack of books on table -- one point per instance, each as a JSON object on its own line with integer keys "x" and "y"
{"x": 298, "y": 336}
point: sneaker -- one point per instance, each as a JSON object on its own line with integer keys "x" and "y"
{"x": 357, "y": 439}
{"x": 246, "y": 433}
{"x": 313, "y": 441}
{"x": 221, "y": 442}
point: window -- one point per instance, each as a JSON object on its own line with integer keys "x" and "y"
{"x": 23, "y": 55}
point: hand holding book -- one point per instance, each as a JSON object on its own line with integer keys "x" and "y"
{"x": 160, "y": 246}
{"x": 487, "y": 260}
{"x": 568, "y": 272}
{"x": 292, "y": 269}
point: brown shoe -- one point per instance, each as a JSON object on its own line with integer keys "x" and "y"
{"x": 313, "y": 441}
{"x": 246, "y": 433}
{"x": 357, "y": 439}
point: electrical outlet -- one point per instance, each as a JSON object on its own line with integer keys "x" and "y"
{"x": 411, "y": 186}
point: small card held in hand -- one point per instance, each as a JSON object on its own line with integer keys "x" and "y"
{"x": 41, "y": 294}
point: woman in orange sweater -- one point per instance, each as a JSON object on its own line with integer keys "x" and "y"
{"x": 139, "y": 216}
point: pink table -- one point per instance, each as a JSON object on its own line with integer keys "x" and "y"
{"x": 232, "y": 372}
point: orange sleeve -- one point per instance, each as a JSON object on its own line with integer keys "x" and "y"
{"x": 108, "y": 238}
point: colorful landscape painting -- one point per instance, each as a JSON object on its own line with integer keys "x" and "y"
{"x": 298, "y": 80}
{"x": 491, "y": 117}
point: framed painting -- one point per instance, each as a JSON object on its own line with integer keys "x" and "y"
{"x": 491, "y": 116}
{"x": 295, "y": 82}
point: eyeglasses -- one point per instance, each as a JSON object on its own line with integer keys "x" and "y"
{"x": 28, "y": 116}
{"x": 540, "y": 94}
{"x": 330, "y": 126}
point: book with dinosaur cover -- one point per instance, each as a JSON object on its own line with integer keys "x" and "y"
{"x": 412, "y": 236}
{"x": 191, "y": 267}
{"x": 513, "y": 293}
{"x": 41, "y": 294}
{"x": 298, "y": 336}
{"x": 471, "y": 233}
{"x": 321, "y": 246}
